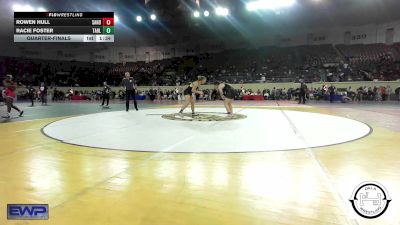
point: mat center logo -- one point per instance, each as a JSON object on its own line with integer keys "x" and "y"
{"x": 370, "y": 199}
{"x": 203, "y": 116}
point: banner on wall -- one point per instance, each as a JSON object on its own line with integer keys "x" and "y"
{"x": 331, "y": 65}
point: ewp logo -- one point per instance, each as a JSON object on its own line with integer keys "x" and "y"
{"x": 27, "y": 212}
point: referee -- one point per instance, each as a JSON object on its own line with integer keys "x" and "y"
{"x": 129, "y": 84}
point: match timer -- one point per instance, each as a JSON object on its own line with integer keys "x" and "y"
{"x": 64, "y": 26}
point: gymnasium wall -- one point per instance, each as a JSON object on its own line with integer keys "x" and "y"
{"x": 365, "y": 34}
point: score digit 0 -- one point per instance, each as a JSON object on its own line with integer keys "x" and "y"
{"x": 108, "y": 21}
{"x": 108, "y": 30}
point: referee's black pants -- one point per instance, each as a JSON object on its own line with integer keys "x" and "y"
{"x": 105, "y": 97}
{"x": 128, "y": 95}
{"x": 302, "y": 98}
{"x": 31, "y": 97}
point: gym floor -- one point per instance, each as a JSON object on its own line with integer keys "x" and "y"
{"x": 87, "y": 183}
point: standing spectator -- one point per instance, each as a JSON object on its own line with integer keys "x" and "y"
{"x": 105, "y": 94}
{"x": 70, "y": 94}
{"x": 31, "y": 94}
{"x": 388, "y": 91}
{"x": 273, "y": 92}
{"x": 383, "y": 93}
{"x": 359, "y": 94}
{"x": 397, "y": 92}
{"x": 129, "y": 85}
{"x": 55, "y": 95}
{"x": 43, "y": 93}
{"x": 332, "y": 93}
{"x": 277, "y": 94}
{"x": 302, "y": 94}
{"x": 351, "y": 94}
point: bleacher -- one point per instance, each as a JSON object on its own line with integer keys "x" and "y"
{"x": 266, "y": 64}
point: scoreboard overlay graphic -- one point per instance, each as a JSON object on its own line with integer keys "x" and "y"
{"x": 63, "y": 26}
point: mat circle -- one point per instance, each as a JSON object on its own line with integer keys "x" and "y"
{"x": 257, "y": 130}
